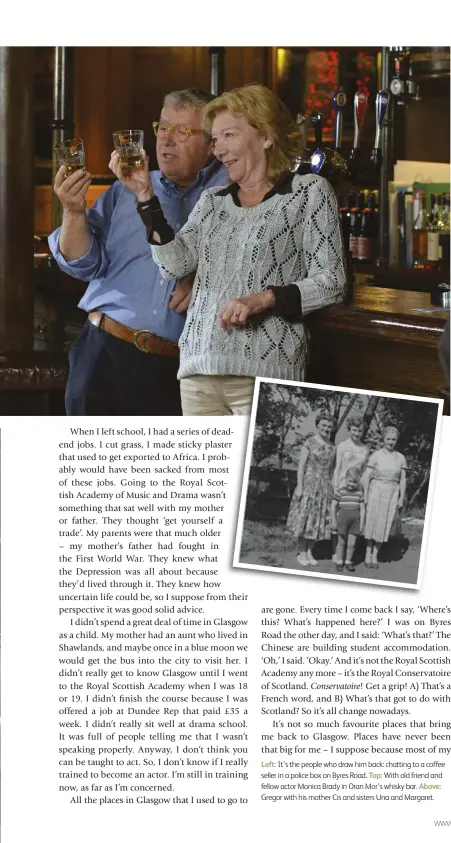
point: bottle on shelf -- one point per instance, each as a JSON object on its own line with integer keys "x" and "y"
{"x": 344, "y": 204}
{"x": 344, "y": 213}
{"x": 402, "y": 227}
{"x": 368, "y": 231}
{"x": 444, "y": 233}
{"x": 355, "y": 221}
{"x": 433, "y": 233}
{"x": 420, "y": 234}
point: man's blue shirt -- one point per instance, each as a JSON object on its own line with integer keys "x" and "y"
{"x": 124, "y": 281}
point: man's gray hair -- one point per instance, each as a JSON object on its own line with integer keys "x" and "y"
{"x": 188, "y": 98}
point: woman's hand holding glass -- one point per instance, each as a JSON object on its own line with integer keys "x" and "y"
{"x": 137, "y": 179}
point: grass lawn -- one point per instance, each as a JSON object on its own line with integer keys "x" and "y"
{"x": 269, "y": 544}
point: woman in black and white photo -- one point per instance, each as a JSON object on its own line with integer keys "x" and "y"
{"x": 385, "y": 488}
{"x": 309, "y": 517}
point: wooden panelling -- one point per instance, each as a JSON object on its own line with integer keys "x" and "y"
{"x": 379, "y": 342}
{"x": 366, "y": 362}
{"x": 103, "y": 100}
{"x": 202, "y": 68}
{"x": 256, "y": 65}
{"x": 120, "y": 89}
{"x": 124, "y": 87}
{"x": 426, "y": 133}
{"x": 16, "y": 192}
{"x": 92, "y": 105}
{"x": 245, "y": 64}
{"x": 156, "y": 71}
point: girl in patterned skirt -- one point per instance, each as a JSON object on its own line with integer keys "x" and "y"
{"x": 309, "y": 516}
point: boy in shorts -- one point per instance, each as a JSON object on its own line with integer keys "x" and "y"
{"x": 348, "y": 519}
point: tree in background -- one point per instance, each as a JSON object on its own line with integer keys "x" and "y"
{"x": 282, "y": 411}
{"x": 416, "y": 422}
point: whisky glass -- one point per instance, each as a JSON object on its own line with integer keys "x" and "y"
{"x": 129, "y": 144}
{"x": 71, "y": 155}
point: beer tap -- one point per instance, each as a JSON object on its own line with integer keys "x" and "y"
{"x": 318, "y": 158}
{"x": 338, "y": 101}
{"x": 412, "y": 87}
{"x": 403, "y": 86}
{"x": 329, "y": 162}
{"x": 360, "y": 107}
{"x": 382, "y": 101}
{"x": 317, "y": 123}
{"x": 302, "y": 163}
{"x": 398, "y": 84}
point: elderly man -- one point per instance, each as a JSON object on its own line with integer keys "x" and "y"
{"x": 116, "y": 366}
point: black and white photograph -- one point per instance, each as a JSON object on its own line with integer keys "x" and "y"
{"x": 337, "y": 483}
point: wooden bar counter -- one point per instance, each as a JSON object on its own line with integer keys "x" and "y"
{"x": 384, "y": 339}
{"x": 32, "y": 383}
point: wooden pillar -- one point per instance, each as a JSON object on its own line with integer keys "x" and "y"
{"x": 387, "y": 132}
{"x": 63, "y": 115}
{"x": 16, "y": 198}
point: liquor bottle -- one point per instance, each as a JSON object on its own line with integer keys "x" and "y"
{"x": 343, "y": 210}
{"x": 367, "y": 235}
{"x": 420, "y": 235}
{"x": 344, "y": 213}
{"x": 444, "y": 233}
{"x": 355, "y": 225}
{"x": 375, "y": 198}
{"x": 433, "y": 234}
{"x": 402, "y": 240}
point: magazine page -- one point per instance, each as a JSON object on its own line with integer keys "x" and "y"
{"x": 224, "y": 424}
{"x": 142, "y": 668}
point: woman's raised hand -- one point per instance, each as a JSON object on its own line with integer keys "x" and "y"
{"x": 137, "y": 179}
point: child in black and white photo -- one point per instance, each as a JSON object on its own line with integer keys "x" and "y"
{"x": 348, "y": 519}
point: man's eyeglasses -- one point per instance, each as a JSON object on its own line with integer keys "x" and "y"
{"x": 181, "y": 133}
